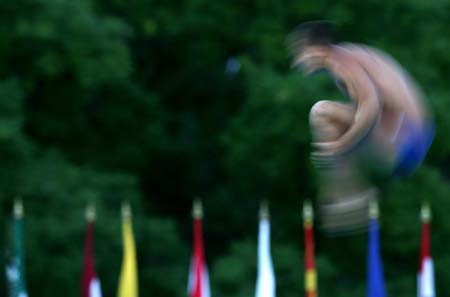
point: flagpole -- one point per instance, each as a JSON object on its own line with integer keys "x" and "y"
{"x": 197, "y": 210}
{"x": 19, "y": 253}
{"x": 90, "y": 286}
{"x": 265, "y": 284}
{"x": 90, "y": 213}
{"x": 375, "y": 274}
{"x": 425, "y": 283}
{"x": 197, "y": 214}
{"x": 18, "y": 209}
{"x": 425, "y": 213}
{"x": 198, "y": 283}
{"x": 310, "y": 267}
{"x": 128, "y": 283}
{"x": 374, "y": 211}
{"x": 126, "y": 211}
{"x": 264, "y": 211}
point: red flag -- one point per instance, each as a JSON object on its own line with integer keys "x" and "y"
{"x": 90, "y": 285}
{"x": 198, "y": 277}
{"x": 425, "y": 284}
{"x": 310, "y": 267}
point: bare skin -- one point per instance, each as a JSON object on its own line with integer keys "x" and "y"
{"x": 381, "y": 95}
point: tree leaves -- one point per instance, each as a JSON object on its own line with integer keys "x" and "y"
{"x": 108, "y": 101}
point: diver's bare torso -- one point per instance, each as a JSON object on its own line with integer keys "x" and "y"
{"x": 397, "y": 95}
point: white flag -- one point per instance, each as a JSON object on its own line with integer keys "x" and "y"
{"x": 95, "y": 289}
{"x": 265, "y": 285}
{"x": 426, "y": 279}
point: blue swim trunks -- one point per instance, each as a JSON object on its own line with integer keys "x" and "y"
{"x": 413, "y": 146}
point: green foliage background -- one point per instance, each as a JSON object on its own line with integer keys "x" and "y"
{"x": 107, "y": 101}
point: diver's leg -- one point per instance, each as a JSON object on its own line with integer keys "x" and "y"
{"x": 343, "y": 190}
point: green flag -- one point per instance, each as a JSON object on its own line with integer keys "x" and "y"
{"x": 15, "y": 266}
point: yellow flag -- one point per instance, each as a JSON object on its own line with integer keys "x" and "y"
{"x": 128, "y": 286}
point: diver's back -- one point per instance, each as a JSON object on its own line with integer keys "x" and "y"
{"x": 395, "y": 86}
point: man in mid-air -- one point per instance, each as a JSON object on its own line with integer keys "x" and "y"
{"x": 385, "y": 126}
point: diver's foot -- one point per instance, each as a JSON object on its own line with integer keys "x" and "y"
{"x": 348, "y": 214}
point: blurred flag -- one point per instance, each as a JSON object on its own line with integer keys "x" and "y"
{"x": 15, "y": 268}
{"x": 374, "y": 264}
{"x": 310, "y": 267}
{"x": 128, "y": 285}
{"x": 90, "y": 286}
{"x": 198, "y": 284}
{"x": 265, "y": 285}
{"x": 425, "y": 283}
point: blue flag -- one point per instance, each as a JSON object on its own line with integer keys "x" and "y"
{"x": 375, "y": 287}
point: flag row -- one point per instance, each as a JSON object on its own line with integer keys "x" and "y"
{"x": 198, "y": 279}
{"x": 375, "y": 276}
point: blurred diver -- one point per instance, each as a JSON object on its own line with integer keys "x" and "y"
{"x": 385, "y": 128}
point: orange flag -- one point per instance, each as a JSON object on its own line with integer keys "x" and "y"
{"x": 310, "y": 267}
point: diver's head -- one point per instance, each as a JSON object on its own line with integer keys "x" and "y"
{"x": 310, "y": 44}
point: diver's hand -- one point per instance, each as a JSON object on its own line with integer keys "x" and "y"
{"x": 328, "y": 149}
